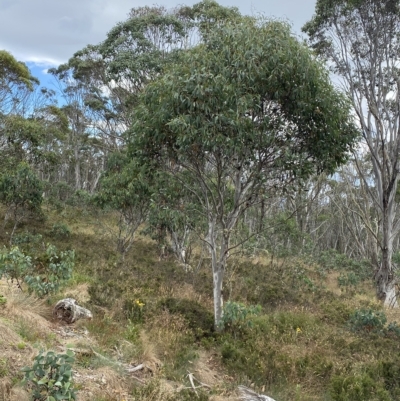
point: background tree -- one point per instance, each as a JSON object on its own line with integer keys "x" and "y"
{"x": 21, "y": 192}
{"x": 242, "y": 115}
{"x": 360, "y": 39}
{"x": 125, "y": 187}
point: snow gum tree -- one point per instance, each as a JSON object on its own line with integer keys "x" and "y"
{"x": 361, "y": 41}
{"x": 246, "y": 111}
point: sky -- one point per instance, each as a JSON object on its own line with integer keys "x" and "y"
{"x": 46, "y": 33}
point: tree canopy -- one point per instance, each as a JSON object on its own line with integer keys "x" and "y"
{"x": 247, "y": 110}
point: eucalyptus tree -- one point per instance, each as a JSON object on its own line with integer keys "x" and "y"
{"x": 21, "y": 193}
{"x": 242, "y": 114}
{"x": 125, "y": 187}
{"x": 84, "y": 150}
{"x": 16, "y": 83}
{"x": 360, "y": 39}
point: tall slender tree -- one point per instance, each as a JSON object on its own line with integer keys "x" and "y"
{"x": 360, "y": 40}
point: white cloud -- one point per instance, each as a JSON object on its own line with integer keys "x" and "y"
{"x": 49, "y": 31}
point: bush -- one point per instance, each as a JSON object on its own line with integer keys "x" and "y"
{"x": 43, "y": 274}
{"x": 367, "y": 321}
{"x": 237, "y": 314}
{"x": 356, "y": 388}
{"x": 50, "y": 377}
{"x": 60, "y": 230}
{"x": 198, "y": 318}
{"x": 353, "y": 271}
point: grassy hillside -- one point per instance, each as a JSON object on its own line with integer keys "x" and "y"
{"x": 318, "y": 333}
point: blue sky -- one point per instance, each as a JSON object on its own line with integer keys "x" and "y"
{"x": 45, "y": 33}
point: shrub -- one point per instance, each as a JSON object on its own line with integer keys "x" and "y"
{"x": 51, "y": 271}
{"x": 43, "y": 274}
{"x": 356, "y": 388}
{"x": 60, "y": 230}
{"x": 367, "y": 320}
{"x": 354, "y": 271}
{"x": 133, "y": 309}
{"x": 237, "y": 314}
{"x": 198, "y": 318}
{"x": 50, "y": 377}
{"x": 14, "y": 264}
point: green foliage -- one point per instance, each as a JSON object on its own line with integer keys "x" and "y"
{"x": 364, "y": 321}
{"x": 27, "y": 238}
{"x": 284, "y": 231}
{"x": 59, "y": 194}
{"x": 352, "y": 271}
{"x": 43, "y": 274}
{"x": 4, "y": 368}
{"x": 50, "y": 377}
{"x": 21, "y": 191}
{"x": 15, "y": 71}
{"x": 393, "y": 329}
{"x": 3, "y": 300}
{"x": 336, "y": 311}
{"x": 367, "y": 320}
{"x": 60, "y": 230}
{"x": 237, "y": 314}
{"x": 357, "y": 387}
{"x": 202, "y": 103}
{"x": 125, "y": 187}
{"x": 14, "y": 264}
{"x": 51, "y": 271}
{"x": 134, "y": 310}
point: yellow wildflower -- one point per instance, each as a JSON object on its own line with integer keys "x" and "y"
{"x": 298, "y": 330}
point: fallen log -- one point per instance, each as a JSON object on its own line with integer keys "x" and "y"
{"x": 247, "y": 394}
{"x": 68, "y": 311}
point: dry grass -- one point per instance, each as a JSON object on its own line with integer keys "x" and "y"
{"x": 186, "y": 291}
{"x": 103, "y": 383}
{"x": 331, "y": 282}
{"x": 207, "y": 369}
{"x": 79, "y": 292}
{"x": 167, "y": 333}
{"x": 148, "y": 355}
{"x": 9, "y": 393}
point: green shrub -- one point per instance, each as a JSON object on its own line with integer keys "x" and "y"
{"x": 60, "y": 230}
{"x": 237, "y": 314}
{"x": 367, "y": 320}
{"x": 393, "y": 329}
{"x": 51, "y": 271}
{"x": 356, "y": 388}
{"x": 26, "y": 238}
{"x": 14, "y": 264}
{"x": 21, "y": 192}
{"x": 354, "y": 271}
{"x": 43, "y": 274}
{"x": 50, "y": 377}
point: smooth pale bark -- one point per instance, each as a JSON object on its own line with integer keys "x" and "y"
{"x": 361, "y": 41}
